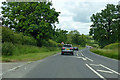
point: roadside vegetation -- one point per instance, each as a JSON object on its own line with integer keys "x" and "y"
{"x": 29, "y": 53}
{"x": 29, "y": 33}
{"x": 110, "y": 51}
{"x": 105, "y": 31}
{"x": 27, "y": 28}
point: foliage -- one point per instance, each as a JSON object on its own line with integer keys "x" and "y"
{"x": 111, "y": 53}
{"x": 75, "y": 38}
{"x": 10, "y": 49}
{"x": 71, "y": 35}
{"x": 7, "y": 49}
{"x": 13, "y": 37}
{"x": 60, "y": 36}
{"x": 50, "y": 43}
{"x": 106, "y": 24}
{"x": 31, "y": 18}
{"x": 112, "y": 46}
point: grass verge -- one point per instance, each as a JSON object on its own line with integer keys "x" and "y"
{"x": 28, "y": 53}
{"x": 28, "y": 57}
{"x": 111, "y": 53}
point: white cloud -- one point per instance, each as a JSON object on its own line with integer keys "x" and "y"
{"x": 75, "y": 14}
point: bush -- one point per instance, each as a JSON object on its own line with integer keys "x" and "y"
{"x": 50, "y": 43}
{"x": 10, "y": 49}
{"x": 7, "y": 49}
{"x": 16, "y": 38}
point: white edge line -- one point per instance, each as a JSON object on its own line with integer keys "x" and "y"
{"x": 109, "y": 69}
{"x": 95, "y": 72}
{"x": 16, "y": 67}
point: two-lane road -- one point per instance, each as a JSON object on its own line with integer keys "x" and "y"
{"x": 83, "y": 64}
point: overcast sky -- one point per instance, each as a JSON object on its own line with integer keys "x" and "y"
{"x": 75, "y": 14}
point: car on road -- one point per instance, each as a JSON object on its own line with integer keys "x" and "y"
{"x": 75, "y": 48}
{"x": 67, "y": 48}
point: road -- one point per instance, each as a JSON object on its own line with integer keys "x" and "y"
{"x": 83, "y": 64}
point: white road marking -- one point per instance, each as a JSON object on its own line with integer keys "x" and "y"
{"x": 89, "y": 59}
{"x": 95, "y": 64}
{"x": 77, "y": 54}
{"x": 95, "y": 72}
{"x": 16, "y": 67}
{"x": 109, "y": 69}
{"x": 82, "y": 54}
{"x": 79, "y": 57}
{"x": 104, "y": 71}
{"x": 82, "y": 58}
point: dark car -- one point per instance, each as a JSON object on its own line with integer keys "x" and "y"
{"x": 67, "y": 48}
{"x": 75, "y": 48}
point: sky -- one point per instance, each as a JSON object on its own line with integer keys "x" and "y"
{"x": 75, "y": 14}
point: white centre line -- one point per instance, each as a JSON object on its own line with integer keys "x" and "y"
{"x": 95, "y": 72}
{"x": 95, "y": 64}
{"x": 89, "y": 59}
{"x": 82, "y": 58}
{"x": 104, "y": 71}
{"x": 109, "y": 69}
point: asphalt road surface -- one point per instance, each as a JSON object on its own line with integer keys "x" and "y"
{"x": 83, "y": 64}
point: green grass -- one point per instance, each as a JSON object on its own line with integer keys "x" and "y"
{"x": 110, "y": 51}
{"x": 28, "y": 57}
{"x": 112, "y": 46}
{"x": 29, "y": 53}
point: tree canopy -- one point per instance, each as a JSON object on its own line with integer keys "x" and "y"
{"x": 31, "y": 18}
{"x": 105, "y": 25}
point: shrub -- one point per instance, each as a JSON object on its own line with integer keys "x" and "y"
{"x": 7, "y": 35}
{"x": 50, "y": 43}
{"x": 7, "y": 49}
{"x": 16, "y": 38}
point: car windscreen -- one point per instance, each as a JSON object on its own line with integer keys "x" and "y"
{"x": 67, "y": 46}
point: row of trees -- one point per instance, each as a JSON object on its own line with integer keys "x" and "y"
{"x": 37, "y": 19}
{"x": 105, "y": 27}
{"x": 72, "y": 37}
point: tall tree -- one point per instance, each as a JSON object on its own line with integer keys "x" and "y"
{"x": 105, "y": 25}
{"x": 31, "y": 18}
